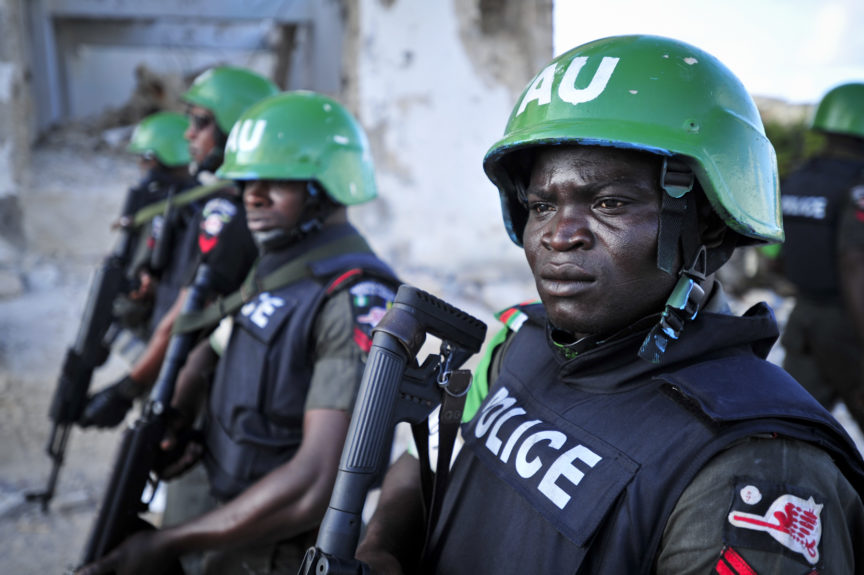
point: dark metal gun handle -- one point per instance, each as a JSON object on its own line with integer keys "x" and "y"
{"x": 396, "y": 341}
{"x": 371, "y": 426}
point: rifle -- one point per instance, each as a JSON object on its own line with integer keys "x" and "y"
{"x": 139, "y": 452}
{"x": 91, "y": 347}
{"x": 162, "y": 250}
{"x": 393, "y": 389}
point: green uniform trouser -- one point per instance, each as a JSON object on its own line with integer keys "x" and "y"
{"x": 823, "y": 353}
{"x": 283, "y": 558}
{"x": 188, "y": 497}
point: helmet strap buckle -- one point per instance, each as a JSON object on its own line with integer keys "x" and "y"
{"x": 683, "y": 305}
{"x": 676, "y": 179}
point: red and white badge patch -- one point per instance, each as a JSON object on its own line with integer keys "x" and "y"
{"x": 857, "y": 197}
{"x": 217, "y": 214}
{"x": 370, "y": 300}
{"x": 793, "y": 521}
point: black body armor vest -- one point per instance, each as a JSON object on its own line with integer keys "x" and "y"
{"x": 813, "y": 199}
{"x": 256, "y": 405}
{"x": 572, "y": 469}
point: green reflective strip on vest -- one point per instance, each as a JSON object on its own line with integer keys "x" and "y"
{"x": 512, "y": 318}
{"x": 147, "y": 213}
{"x": 480, "y": 385}
{"x": 292, "y": 271}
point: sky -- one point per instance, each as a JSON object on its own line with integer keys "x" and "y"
{"x": 794, "y": 50}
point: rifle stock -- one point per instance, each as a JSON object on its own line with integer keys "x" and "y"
{"x": 119, "y": 514}
{"x": 122, "y": 504}
{"x": 90, "y": 350}
{"x": 390, "y": 373}
{"x": 96, "y": 330}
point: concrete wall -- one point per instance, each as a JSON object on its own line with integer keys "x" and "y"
{"x": 434, "y": 84}
{"x": 86, "y": 52}
{"x": 14, "y": 140}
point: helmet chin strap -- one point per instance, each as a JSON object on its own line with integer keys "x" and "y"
{"x": 317, "y": 209}
{"x": 677, "y": 241}
{"x": 683, "y": 305}
{"x": 677, "y": 209}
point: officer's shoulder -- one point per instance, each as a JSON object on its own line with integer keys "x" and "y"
{"x": 365, "y": 299}
{"x": 515, "y": 316}
{"x": 751, "y": 484}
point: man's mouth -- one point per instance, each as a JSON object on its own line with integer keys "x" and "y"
{"x": 257, "y": 222}
{"x": 564, "y": 280}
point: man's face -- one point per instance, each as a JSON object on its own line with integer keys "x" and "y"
{"x": 147, "y": 163}
{"x": 591, "y": 237}
{"x": 201, "y": 133}
{"x": 274, "y": 204}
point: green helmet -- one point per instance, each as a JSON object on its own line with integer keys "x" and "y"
{"x": 302, "y": 136}
{"x": 658, "y": 95}
{"x": 228, "y": 92}
{"x": 161, "y": 134}
{"x": 841, "y": 111}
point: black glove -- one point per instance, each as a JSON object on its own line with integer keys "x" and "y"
{"x": 109, "y": 407}
{"x": 180, "y": 451}
{"x": 132, "y": 313}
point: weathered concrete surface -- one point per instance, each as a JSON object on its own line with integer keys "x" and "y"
{"x": 74, "y": 195}
{"x": 434, "y": 84}
{"x": 14, "y": 126}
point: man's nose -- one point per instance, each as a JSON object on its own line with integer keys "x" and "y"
{"x": 570, "y": 228}
{"x": 255, "y": 194}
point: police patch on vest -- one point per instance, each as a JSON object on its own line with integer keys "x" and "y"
{"x": 217, "y": 213}
{"x": 775, "y": 517}
{"x": 813, "y": 207}
{"x": 569, "y": 476}
{"x": 264, "y": 316}
{"x": 262, "y": 309}
{"x": 369, "y": 302}
{"x": 157, "y": 226}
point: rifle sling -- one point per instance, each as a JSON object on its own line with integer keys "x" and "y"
{"x": 282, "y": 276}
{"x": 434, "y": 484}
{"x": 146, "y": 214}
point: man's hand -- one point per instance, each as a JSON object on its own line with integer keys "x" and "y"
{"x": 189, "y": 447}
{"x": 109, "y": 407}
{"x": 146, "y": 287}
{"x": 144, "y": 553}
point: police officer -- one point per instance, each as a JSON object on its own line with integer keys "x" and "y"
{"x": 823, "y": 212}
{"x": 163, "y": 159}
{"x": 630, "y": 423}
{"x": 299, "y": 330}
{"x": 203, "y": 223}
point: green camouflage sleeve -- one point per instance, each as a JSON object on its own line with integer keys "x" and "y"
{"x": 342, "y": 336}
{"x": 765, "y": 506}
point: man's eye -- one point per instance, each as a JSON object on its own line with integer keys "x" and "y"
{"x": 609, "y": 203}
{"x": 539, "y": 207}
